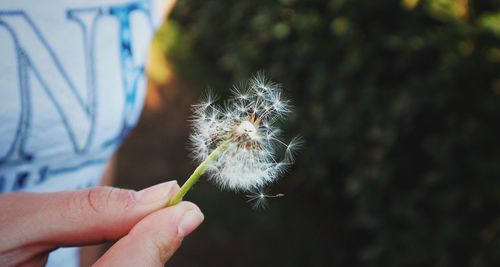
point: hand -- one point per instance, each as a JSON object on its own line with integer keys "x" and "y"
{"x": 33, "y": 224}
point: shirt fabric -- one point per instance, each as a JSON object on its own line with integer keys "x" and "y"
{"x": 72, "y": 86}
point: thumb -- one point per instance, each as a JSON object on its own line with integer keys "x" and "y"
{"x": 154, "y": 239}
{"x": 83, "y": 217}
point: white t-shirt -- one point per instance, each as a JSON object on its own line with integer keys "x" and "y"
{"x": 71, "y": 86}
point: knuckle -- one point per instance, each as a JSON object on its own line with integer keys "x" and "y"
{"x": 93, "y": 199}
{"x": 103, "y": 199}
{"x": 120, "y": 199}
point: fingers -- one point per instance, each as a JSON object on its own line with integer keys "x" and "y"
{"x": 154, "y": 239}
{"x": 80, "y": 217}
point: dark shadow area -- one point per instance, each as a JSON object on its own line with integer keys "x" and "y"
{"x": 399, "y": 104}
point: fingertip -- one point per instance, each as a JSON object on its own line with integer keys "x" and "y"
{"x": 189, "y": 222}
{"x": 155, "y": 238}
{"x": 156, "y": 193}
{"x": 187, "y": 206}
{"x": 165, "y": 222}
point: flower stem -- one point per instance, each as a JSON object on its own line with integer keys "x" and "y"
{"x": 197, "y": 174}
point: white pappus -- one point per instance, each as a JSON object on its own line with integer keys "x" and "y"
{"x": 245, "y": 127}
{"x": 259, "y": 199}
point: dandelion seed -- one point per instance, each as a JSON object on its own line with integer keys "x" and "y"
{"x": 259, "y": 200}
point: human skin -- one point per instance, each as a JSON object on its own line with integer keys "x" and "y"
{"x": 147, "y": 233}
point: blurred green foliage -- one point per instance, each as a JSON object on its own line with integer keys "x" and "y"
{"x": 399, "y": 103}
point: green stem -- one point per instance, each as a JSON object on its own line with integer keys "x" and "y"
{"x": 197, "y": 174}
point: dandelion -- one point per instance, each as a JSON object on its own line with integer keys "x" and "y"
{"x": 238, "y": 144}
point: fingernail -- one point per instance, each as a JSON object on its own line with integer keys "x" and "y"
{"x": 189, "y": 221}
{"x": 157, "y": 192}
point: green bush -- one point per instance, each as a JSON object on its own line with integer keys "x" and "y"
{"x": 399, "y": 104}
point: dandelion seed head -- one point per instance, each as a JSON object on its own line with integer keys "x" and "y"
{"x": 246, "y": 133}
{"x": 246, "y": 124}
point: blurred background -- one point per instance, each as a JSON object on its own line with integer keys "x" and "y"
{"x": 399, "y": 104}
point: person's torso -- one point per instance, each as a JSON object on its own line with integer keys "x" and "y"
{"x": 72, "y": 85}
